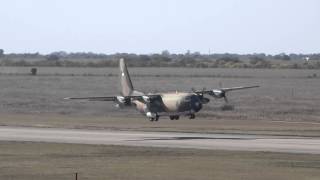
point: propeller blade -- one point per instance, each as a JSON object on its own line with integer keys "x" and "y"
{"x": 203, "y": 90}
{"x": 193, "y": 90}
{"x": 225, "y": 99}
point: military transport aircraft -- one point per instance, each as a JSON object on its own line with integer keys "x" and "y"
{"x": 154, "y": 105}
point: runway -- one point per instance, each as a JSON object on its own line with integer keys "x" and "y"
{"x": 164, "y": 139}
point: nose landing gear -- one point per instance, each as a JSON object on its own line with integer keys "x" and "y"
{"x": 192, "y": 116}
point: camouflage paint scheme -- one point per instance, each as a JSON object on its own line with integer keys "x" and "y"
{"x": 162, "y": 104}
{"x": 165, "y": 103}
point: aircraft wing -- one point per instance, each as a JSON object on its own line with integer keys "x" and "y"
{"x": 221, "y": 93}
{"x": 106, "y": 98}
{"x": 238, "y": 88}
{"x": 224, "y": 90}
{"x": 114, "y": 98}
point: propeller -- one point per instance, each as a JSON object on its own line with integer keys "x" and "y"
{"x": 223, "y": 93}
{"x": 225, "y": 98}
{"x": 193, "y": 90}
{"x": 203, "y": 90}
{"x": 219, "y": 93}
{"x": 201, "y": 95}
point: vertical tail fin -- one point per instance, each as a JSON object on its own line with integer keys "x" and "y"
{"x": 125, "y": 81}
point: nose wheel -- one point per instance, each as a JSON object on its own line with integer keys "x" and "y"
{"x": 192, "y": 116}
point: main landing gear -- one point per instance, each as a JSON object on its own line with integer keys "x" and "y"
{"x": 156, "y": 118}
{"x": 174, "y": 117}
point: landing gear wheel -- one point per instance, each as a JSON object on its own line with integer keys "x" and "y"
{"x": 174, "y": 117}
{"x": 192, "y": 116}
{"x": 151, "y": 119}
{"x": 157, "y": 118}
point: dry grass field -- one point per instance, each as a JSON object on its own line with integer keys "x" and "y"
{"x": 288, "y": 101}
{"x": 38, "y": 161}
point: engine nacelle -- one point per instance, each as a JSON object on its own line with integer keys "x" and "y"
{"x": 121, "y": 99}
{"x": 146, "y": 99}
{"x": 217, "y": 93}
{"x": 121, "y": 102}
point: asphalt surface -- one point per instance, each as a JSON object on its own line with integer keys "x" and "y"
{"x": 164, "y": 139}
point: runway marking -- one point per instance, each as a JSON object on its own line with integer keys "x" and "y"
{"x": 295, "y": 122}
{"x": 164, "y": 139}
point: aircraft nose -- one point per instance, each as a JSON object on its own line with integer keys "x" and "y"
{"x": 196, "y": 103}
{"x": 197, "y": 106}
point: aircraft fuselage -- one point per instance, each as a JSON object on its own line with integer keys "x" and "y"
{"x": 171, "y": 104}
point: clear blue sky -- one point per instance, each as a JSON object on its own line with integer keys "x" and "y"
{"x": 150, "y": 26}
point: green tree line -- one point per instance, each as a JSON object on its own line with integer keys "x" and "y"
{"x": 163, "y": 59}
